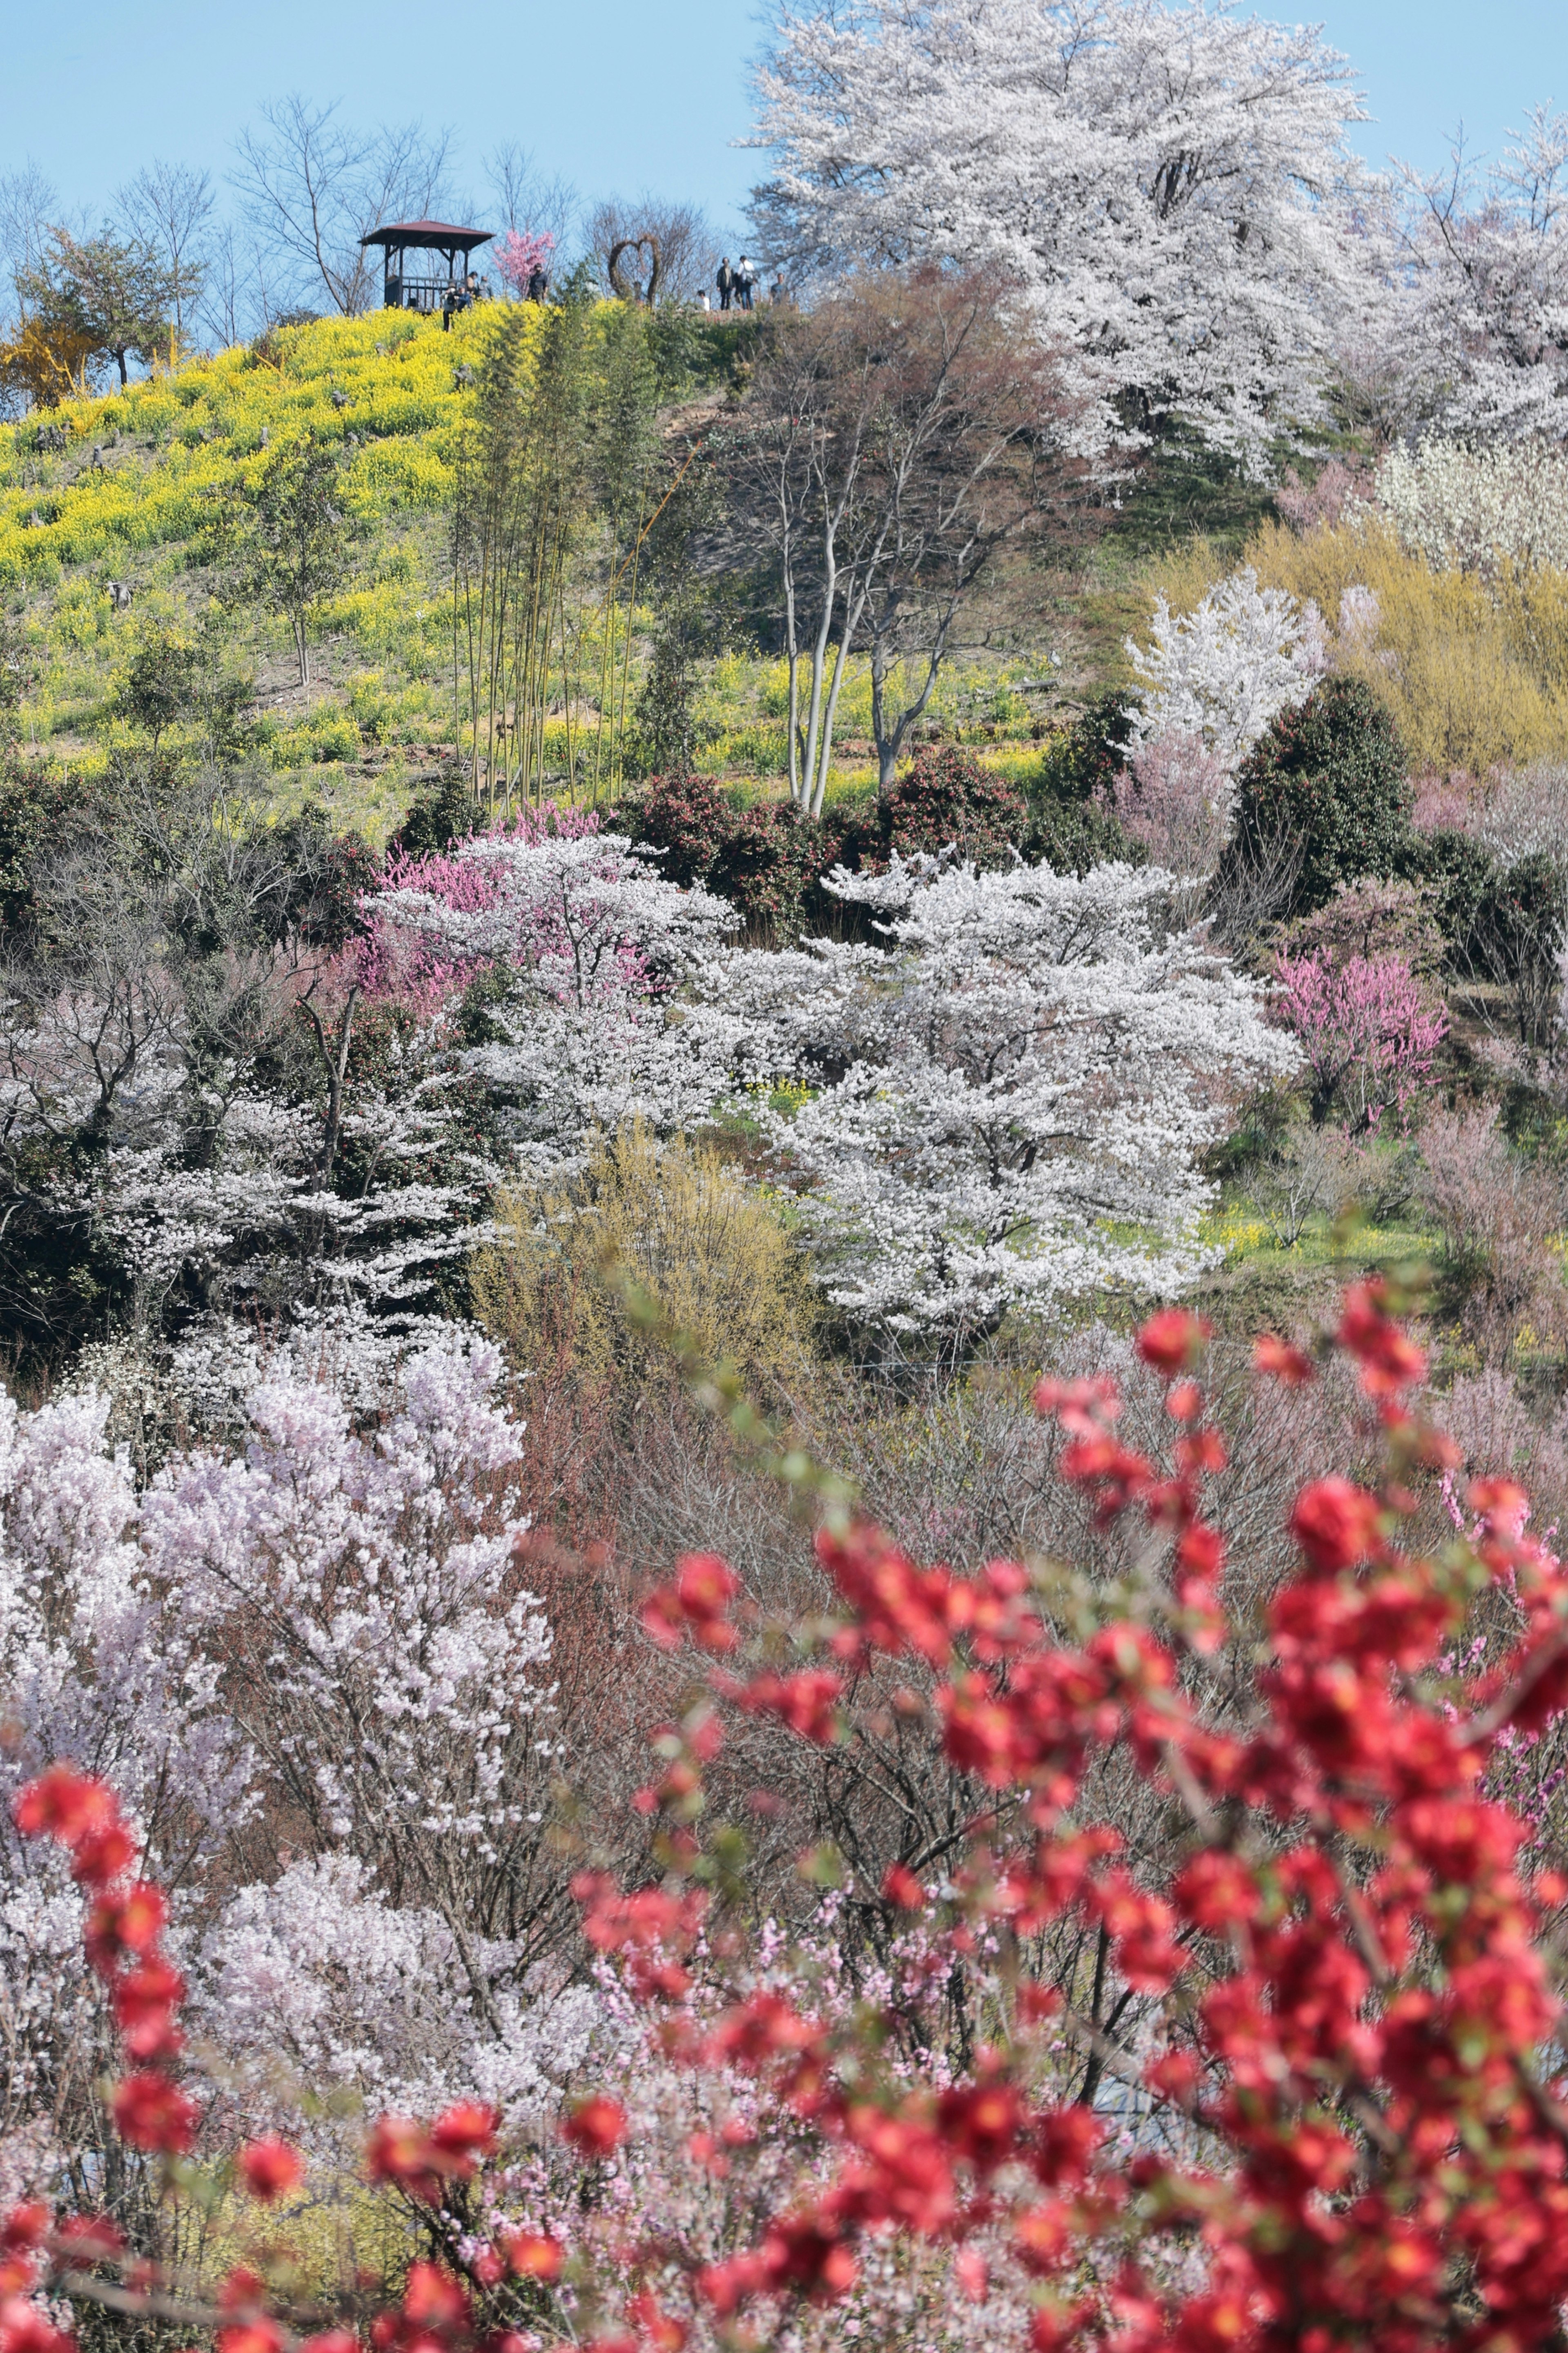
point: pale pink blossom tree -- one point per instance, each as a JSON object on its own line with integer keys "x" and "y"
{"x": 1367, "y": 1028}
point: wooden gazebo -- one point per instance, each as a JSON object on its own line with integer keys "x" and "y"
{"x": 400, "y": 238}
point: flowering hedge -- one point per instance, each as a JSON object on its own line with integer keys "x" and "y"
{"x": 1308, "y": 2093}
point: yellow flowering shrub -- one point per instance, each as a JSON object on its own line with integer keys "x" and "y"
{"x": 196, "y": 433}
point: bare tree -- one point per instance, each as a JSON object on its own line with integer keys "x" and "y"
{"x": 28, "y": 204}
{"x": 169, "y": 207}
{"x": 233, "y": 296}
{"x": 897, "y": 439}
{"x": 682, "y": 233}
{"x": 312, "y": 187}
{"x": 528, "y": 200}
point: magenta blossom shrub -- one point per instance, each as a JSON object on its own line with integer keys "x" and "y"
{"x": 1367, "y": 1028}
{"x": 412, "y": 962}
{"x": 517, "y": 254}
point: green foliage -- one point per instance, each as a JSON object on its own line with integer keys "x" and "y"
{"x": 1083, "y": 762}
{"x": 1332, "y": 775}
{"x": 115, "y": 296}
{"x": 1458, "y": 873}
{"x": 37, "y": 806}
{"x": 943, "y": 799}
{"x": 1516, "y": 938}
{"x": 291, "y": 544}
{"x": 445, "y": 815}
{"x": 15, "y": 673}
{"x": 1073, "y": 835}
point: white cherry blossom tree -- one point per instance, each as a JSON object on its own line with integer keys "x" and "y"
{"x": 1169, "y": 184}
{"x": 1009, "y": 1105}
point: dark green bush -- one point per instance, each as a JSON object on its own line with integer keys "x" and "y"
{"x": 943, "y": 798}
{"x": 1083, "y": 764}
{"x": 35, "y": 810}
{"x": 1517, "y": 933}
{"x": 447, "y": 813}
{"x": 1459, "y": 874}
{"x": 1332, "y": 775}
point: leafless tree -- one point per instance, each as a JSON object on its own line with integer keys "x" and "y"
{"x": 312, "y": 186}
{"x": 686, "y": 246}
{"x": 28, "y": 204}
{"x": 234, "y": 296}
{"x": 169, "y": 207}
{"x": 529, "y": 200}
{"x": 898, "y": 436}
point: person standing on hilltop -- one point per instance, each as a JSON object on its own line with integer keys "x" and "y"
{"x": 746, "y": 279}
{"x": 725, "y": 282}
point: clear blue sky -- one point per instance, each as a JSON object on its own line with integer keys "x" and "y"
{"x": 615, "y": 94}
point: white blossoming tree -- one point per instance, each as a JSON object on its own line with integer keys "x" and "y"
{"x": 1169, "y": 185}
{"x": 1223, "y": 671}
{"x": 590, "y": 1019}
{"x": 310, "y": 1666}
{"x": 1009, "y": 1105}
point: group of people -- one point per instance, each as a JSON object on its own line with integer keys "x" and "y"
{"x": 463, "y": 293}
{"x": 737, "y": 286}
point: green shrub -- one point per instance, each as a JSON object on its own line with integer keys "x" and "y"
{"x": 1084, "y": 761}
{"x": 445, "y": 813}
{"x": 1330, "y": 774}
{"x": 1459, "y": 874}
{"x": 944, "y": 796}
{"x": 688, "y": 818}
{"x": 1073, "y": 835}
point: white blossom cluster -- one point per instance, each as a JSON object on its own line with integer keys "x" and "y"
{"x": 1223, "y": 671}
{"x": 309, "y": 1667}
{"x": 595, "y": 1025}
{"x": 1010, "y": 1105}
{"x": 1170, "y": 186}
{"x": 1473, "y": 302}
{"x": 1476, "y": 507}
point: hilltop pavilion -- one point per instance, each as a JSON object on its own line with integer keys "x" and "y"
{"x": 424, "y": 292}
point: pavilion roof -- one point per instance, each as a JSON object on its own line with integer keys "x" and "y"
{"x": 438, "y": 236}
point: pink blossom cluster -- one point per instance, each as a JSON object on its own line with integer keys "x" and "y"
{"x": 1366, "y": 1028}
{"x": 516, "y": 255}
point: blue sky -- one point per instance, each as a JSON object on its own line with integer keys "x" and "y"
{"x": 615, "y": 94}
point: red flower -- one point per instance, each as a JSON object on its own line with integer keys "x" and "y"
{"x": 533, "y": 2256}
{"x": 1173, "y": 1341}
{"x": 806, "y": 1701}
{"x": 398, "y": 2150}
{"x": 25, "y": 2329}
{"x": 121, "y": 1925}
{"x": 1277, "y": 1358}
{"x": 1336, "y": 1523}
{"x": 270, "y": 2168}
{"x": 25, "y": 2227}
{"x": 465, "y": 2133}
{"x": 144, "y": 2001}
{"x": 434, "y": 2300}
{"x": 90, "y": 2238}
{"x": 258, "y": 2336}
{"x": 151, "y": 2113}
{"x": 63, "y": 1804}
{"x": 101, "y": 1855}
{"x": 901, "y": 1887}
{"x": 657, "y": 2326}
{"x": 1389, "y": 1359}
{"x": 596, "y": 2127}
